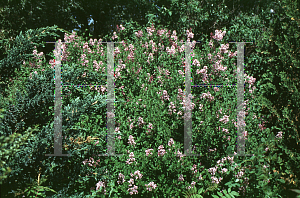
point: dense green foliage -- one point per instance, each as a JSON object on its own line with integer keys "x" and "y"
{"x": 273, "y": 60}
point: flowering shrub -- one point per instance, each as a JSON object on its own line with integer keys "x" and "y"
{"x": 150, "y": 77}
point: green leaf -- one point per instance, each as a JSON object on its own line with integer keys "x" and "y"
{"x": 41, "y": 188}
{"x": 281, "y": 180}
{"x": 228, "y": 196}
{"x": 200, "y": 190}
{"x": 234, "y": 193}
{"x": 215, "y": 196}
{"x": 295, "y": 190}
{"x": 219, "y": 193}
{"x": 170, "y": 13}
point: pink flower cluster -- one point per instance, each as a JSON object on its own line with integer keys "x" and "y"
{"x": 133, "y": 190}
{"x": 161, "y": 151}
{"x": 99, "y": 88}
{"x": 261, "y": 126}
{"x": 101, "y": 184}
{"x": 114, "y": 36}
{"x": 96, "y": 65}
{"x": 131, "y": 140}
{"x": 171, "y": 51}
{"x": 172, "y": 107}
{"x": 224, "y": 119}
{"x": 218, "y": 35}
{"x": 131, "y": 159}
{"x": 121, "y": 177}
{"x": 279, "y": 135}
{"x": 173, "y": 36}
{"x": 150, "y": 30}
{"x": 189, "y": 34}
{"x": 150, "y": 186}
{"x": 131, "y": 53}
{"x": 148, "y": 152}
{"x": 139, "y": 33}
{"x": 165, "y": 96}
{"x": 180, "y": 178}
{"x": 207, "y": 95}
{"x": 188, "y": 104}
{"x": 31, "y": 74}
{"x": 92, "y": 42}
{"x": 121, "y": 28}
{"x": 91, "y": 162}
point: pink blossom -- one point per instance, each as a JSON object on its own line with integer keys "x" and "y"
{"x": 181, "y": 73}
{"x": 207, "y": 95}
{"x": 150, "y": 186}
{"x": 31, "y": 74}
{"x": 141, "y": 121}
{"x": 182, "y": 48}
{"x": 131, "y": 140}
{"x": 114, "y": 36}
{"x": 174, "y": 35}
{"x": 232, "y": 54}
{"x": 189, "y": 34}
{"x": 279, "y": 135}
{"x": 171, "y": 142}
{"x": 216, "y": 180}
{"x": 181, "y": 178}
{"x": 150, "y": 126}
{"x": 171, "y": 51}
{"x": 148, "y": 152}
{"x": 131, "y": 182}
{"x": 219, "y": 35}
{"x": 225, "y": 119}
{"x": 100, "y": 184}
{"x": 161, "y": 150}
{"x": 196, "y": 62}
{"x": 139, "y": 175}
{"x": 150, "y": 30}
{"x": 194, "y": 169}
{"x": 117, "y": 51}
{"x": 121, "y": 176}
{"x": 216, "y": 89}
{"x": 224, "y": 48}
{"x": 133, "y": 190}
{"x": 121, "y": 27}
{"x": 267, "y": 149}
{"x": 131, "y": 158}
{"x": 200, "y": 177}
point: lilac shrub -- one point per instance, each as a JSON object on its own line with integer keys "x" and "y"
{"x": 150, "y": 76}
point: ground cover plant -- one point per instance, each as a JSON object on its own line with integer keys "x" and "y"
{"x": 149, "y": 89}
